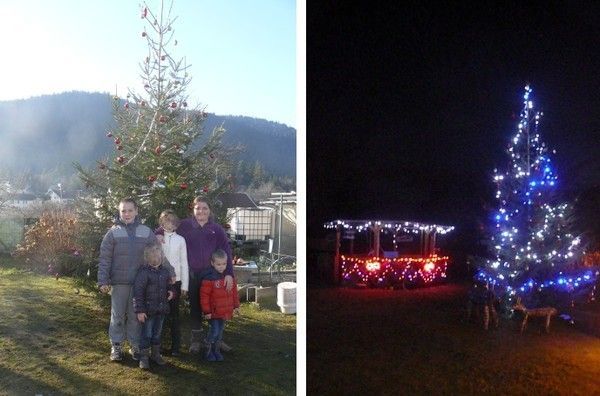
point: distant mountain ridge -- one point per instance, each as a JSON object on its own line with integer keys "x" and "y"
{"x": 53, "y": 131}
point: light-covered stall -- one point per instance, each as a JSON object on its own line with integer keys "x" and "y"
{"x": 386, "y": 263}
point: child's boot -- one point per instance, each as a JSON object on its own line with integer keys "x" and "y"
{"x": 116, "y": 352}
{"x": 217, "y": 351}
{"x": 225, "y": 347}
{"x": 210, "y": 352}
{"x": 144, "y": 359}
{"x": 135, "y": 352}
{"x": 156, "y": 355}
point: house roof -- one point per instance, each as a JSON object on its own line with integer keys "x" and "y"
{"x": 236, "y": 200}
{"x": 63, "y": 194}
{"x": 23, "y": 197}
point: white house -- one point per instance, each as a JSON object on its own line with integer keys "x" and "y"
{"x": 22, "y": 200}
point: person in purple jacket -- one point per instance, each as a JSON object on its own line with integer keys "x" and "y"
{"x": 202, "y": 237}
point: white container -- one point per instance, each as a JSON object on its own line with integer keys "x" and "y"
{"x": 286, "y": 297}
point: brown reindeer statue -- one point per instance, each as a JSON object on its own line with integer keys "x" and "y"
{"x": 546, "y": 312}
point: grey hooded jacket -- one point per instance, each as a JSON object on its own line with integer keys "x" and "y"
{"x": 122, "y": 253}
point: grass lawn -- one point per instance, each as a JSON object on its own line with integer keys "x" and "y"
{"x": 373, "y": 342}
{"x": 54, "y": 341}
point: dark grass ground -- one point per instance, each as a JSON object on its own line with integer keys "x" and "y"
{"x": 54, "y": 342}
{"x": 411, "y": 342}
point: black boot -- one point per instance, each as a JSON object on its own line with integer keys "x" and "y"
{"x": 210, "y": 352}
{"x": 175, "y": 344}
{"x": 156, "y": 357}
{"x": 145, "y": 358}
{"x": 217, "y": 351}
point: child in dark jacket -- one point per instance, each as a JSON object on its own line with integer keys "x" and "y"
{"x": 217, "y": 304}
{"x": 152, "y": 291}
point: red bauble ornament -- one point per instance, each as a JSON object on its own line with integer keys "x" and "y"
{"x": 212, "y": 156}
{"x": 126, "y": 105}
{"x": 205, "y": 189}
{"x": 101, "y": 165}
{"x": 183, "y": 186}
{"x": 176, "y": 147}
{"x": 226, "y": 226}
{"x": 157, "y": 150}
{"x": 120, "y": 159}
{"x": 109, "y": 134}
{"x": 162, "y": 118}
{"x": 151, "y": 178}
{"x": 184, "y": 104}
{"x": 117, "y": 140}
{"x": 143, "y": 34}
{"x": 144, "y": 13}
{"x": 143, "y": 103}
{"x": 173, "y": 105}
{"x": 119, "y": 147}
{"x": 163, "y": 57}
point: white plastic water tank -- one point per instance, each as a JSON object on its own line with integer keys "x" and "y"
{"x": 286, "y": 297}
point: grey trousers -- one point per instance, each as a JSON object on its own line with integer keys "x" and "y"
{"x": 123, "y": 320}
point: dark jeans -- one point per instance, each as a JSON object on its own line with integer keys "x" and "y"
{"x": 215, "y": 331}
{"x": 172, "y": 321}
{"x": 151, "y": 330}
{"x": 194, "y": 297}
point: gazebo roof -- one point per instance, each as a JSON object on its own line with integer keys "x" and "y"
{"x": 396, "y": 225}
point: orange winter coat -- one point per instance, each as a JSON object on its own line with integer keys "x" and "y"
{"x": 215, "y": 300}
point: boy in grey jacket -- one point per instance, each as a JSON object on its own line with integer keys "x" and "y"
{"x": 121, "y": 255}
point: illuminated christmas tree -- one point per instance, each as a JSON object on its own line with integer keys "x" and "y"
{"x": 532, "y": 244}
{"x": 158, "y": 158}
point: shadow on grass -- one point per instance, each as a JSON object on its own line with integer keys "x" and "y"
{"x": 11, "y": 380}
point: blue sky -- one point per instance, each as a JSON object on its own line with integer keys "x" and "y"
{"x": 242, "y": 52}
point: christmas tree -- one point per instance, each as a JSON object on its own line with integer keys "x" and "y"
{"x": 158, "y": 158}
{"x": 533, "y": 247}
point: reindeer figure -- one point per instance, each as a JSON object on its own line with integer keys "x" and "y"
{"x": 547, "y": 312}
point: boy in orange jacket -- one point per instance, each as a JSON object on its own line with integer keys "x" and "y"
{"x": 217, "y": 304}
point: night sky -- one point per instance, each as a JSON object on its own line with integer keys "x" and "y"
{"x": 410, "y": 108}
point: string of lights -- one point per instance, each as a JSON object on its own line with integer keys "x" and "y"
{"x": 393, "y": 271}
{"x": 388, "y": 226}
{"x": 531, "y": 238}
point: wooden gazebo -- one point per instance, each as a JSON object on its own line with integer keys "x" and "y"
{"x": 388, "y": 268}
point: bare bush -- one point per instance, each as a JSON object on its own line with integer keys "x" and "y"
{"x": 51, "y": 243}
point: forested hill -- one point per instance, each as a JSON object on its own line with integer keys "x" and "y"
{"x": 53, "y": 131}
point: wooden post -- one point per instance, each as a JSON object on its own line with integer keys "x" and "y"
{"x": 376, "y": 239}
{"x": 336, "y": 261}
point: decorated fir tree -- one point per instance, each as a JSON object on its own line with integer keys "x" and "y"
{"x": 532, "y": 244}
{"x": 158, "y": 158}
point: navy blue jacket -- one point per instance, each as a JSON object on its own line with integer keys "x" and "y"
{"x": 150, "y": 290}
